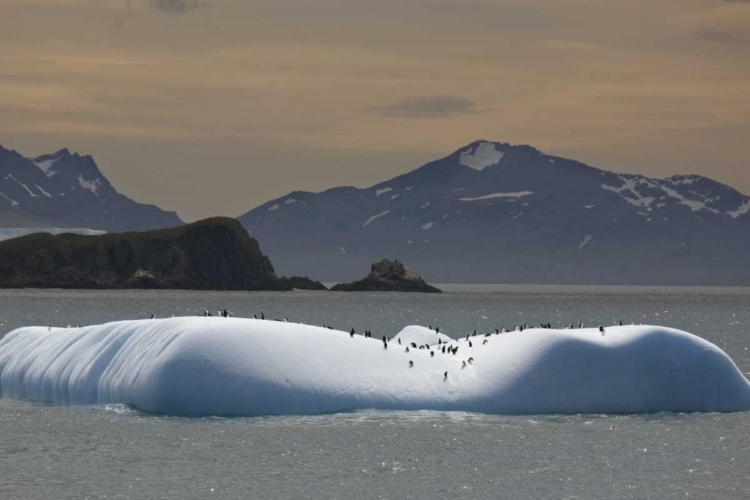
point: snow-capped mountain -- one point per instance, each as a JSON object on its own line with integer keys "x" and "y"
{"x": 493, "y": 212}
{"x": 65, "y": 189}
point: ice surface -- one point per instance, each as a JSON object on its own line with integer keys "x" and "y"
{"x": 481, "y": 156}
{"x": 232, "y": 366}
{"x": 14, "y": 232}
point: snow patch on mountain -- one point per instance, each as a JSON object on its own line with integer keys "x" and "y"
{"x": 46, "y": 165}
{"x": 12, "y": 201}
{"x": 368, "y": 221}
{"x": 585, "y": 242}
{"x": 519, "y": 194}
{"x": 45, "y": 193}
{"x": 31, "y": 193}
{"x": 92, "y": 186}
{"x": 383, "y": 191}
{"x": 742, "y": 210}
{"x": 289, "y": 201}
{"x": 274, "y": 207}
{"x": 481, "y": 156}
{"x": 427, "y": 226}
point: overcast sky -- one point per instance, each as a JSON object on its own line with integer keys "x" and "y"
{"x": 211, "y": 107}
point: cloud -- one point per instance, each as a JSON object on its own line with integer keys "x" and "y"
{"x": 428, "y": 107}
{"x": 177, "y": 7}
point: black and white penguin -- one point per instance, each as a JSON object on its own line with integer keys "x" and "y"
{"x": 411, "y": 364}
{"x": 443, "y": 349}
{"x": 601, "y": 330}
{"x": 414, "y": 345}
{"x": 463, "y": 365}
{"x": 471, "y": 360}
{"x": 437, "y": 329}
{"x": 455, "y": 350}
{"x": 440, "y": 341}
{"x": 580, "y": 325}
{"x": 351, "y": 333}
{"x": 445, "y": 376}
{"x": 385, "y": 346}
{"x": 255, "y": 316}
{"x": 407, "y": 349}
{"x": 432, "y": 354}
{"x": 153, "y": 316}
{"x": 262, "y": 316}
{"x": 474, "y": 334}
{"x": 399, "y": 341}
{"x": 620, "y": 322}
{"x": 470, "y": 343}
{"x": 485, "y": 341}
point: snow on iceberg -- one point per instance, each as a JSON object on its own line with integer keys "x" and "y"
{"x": 231, "y": 366}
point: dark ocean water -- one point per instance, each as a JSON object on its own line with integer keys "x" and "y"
{"x": 117, "y": 452}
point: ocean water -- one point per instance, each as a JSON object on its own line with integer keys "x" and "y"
{"x": 117, "y": 452}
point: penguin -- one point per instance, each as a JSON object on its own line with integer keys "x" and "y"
{"x": 601, "y": 329}
{"x": 414, "y": 345}
{"x": 432, "y": 354}
{"x": 485, "y": 341}
{"x": 255, "y": 316}
{"x": 440, "y": 341}
{"x": 421, "y": 348}
{"x": 351, "y": 333}
{"x": 262, "y": 316}
{"x": 384, "y": 341}
{"x": 437, "y": 329}
{"x": 497, "y": 332}
{"x": 487, "y": 334}
{"x": 455, "y": 350}
{"x": 471, "y": 360}
{"x": 463, "y": 365}
{"x": 445, "y": 376}
{"x": 385, "y": 346}
{"x": 411, "y": 364}
{"x": 407, "y": 349}
{"x": 443, "y": 349}
{"x": 153, "y": 316}
{"x": 467, "y": 337}
{"x": 225, "y": 314}
{"x": 474, "y": 334}
{"x": 470, "y": 343}
{"x": 580, "y": 325}
{"x": 620, "y": 322}
{"x": 429, "y": 326}
{"x": 399, "y": 342}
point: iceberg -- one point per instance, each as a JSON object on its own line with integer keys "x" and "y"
{"x": 246, "y": 367}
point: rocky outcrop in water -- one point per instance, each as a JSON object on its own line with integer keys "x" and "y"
{"x": 388, "y": 276}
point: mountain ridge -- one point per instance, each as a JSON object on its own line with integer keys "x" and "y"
{"x": 494, "y": 212}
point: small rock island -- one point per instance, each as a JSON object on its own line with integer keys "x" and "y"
{"x": 388, "y": 276}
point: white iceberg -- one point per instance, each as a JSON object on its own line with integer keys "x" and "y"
{"x": 232, "y": 366}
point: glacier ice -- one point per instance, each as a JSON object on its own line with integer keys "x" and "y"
{"x": 234, "y": 366}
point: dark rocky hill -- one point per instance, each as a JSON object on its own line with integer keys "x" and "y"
{"x": 213, "y": 254}
{"x": 388, "y": 276}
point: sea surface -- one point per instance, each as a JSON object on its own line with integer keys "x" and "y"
{"x": 112, "y": 451}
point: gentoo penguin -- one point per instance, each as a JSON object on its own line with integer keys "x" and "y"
{"x": 385, "y": 346}
{"x": 463, "y": 365}
{"x": 467, "y": 337}
{"x": 580, "y": 325}
{"x": 399, "y": 342}
{"x": 497, "y": 332}
{"x": 440, "y": 341}
{"x": 445, "y": 376}
{"x": 225, "y": 313}
{"x": 351, "y": 333}
{"x": 262, "y": 316}
{"x": 471, "y": 360}
{"x": 414, "y": 345}
{"x": 474, "y": 334}
{"x": 429, "y": 326}
{"x": 432, "y": 354}
{"x": 255, "y": 316}
{"x": 601, "y": 329}
{"x": 620, "y": 322}
{"x": 470, "y": 343}
{"x": 407, "y": 349}
{"x": 411, "y": 364}
{"x": 437, "y": 329}
{"x": 443, "y": 349}
{"x": 455, "y": 350}
{"x": 485, "y": 341}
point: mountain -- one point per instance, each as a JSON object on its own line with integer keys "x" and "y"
{"x": 213, "y": 254}
{"x": 494, "y": 212}
{"x": 64, "y": 189}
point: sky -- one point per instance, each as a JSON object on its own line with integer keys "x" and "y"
{"x": 212, "y": 107}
